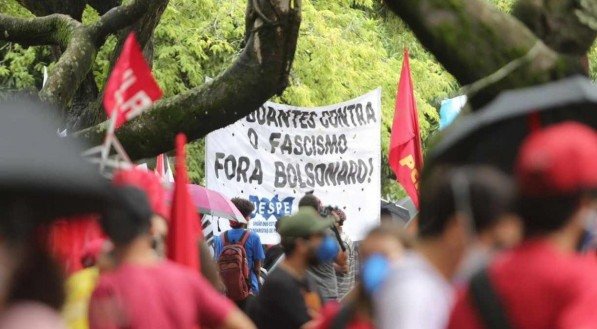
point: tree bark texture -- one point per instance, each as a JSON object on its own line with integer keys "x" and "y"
{"x": 473, "y": 39}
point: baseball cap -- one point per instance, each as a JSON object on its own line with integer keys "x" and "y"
{"x": 304, "y": 223}
{"x": 558, "y": 160}
{"x": 149, "y": 183}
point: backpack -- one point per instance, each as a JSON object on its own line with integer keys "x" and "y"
{"x": 234, "y": 267}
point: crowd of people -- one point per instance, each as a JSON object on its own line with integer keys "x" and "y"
{"x": 485, "y": 251}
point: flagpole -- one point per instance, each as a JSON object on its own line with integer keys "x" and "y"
{"x": 109, "y": 138}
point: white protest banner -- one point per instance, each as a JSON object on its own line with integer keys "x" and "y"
{"x": 277, "y": 153}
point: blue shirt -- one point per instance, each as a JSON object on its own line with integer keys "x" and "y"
{"x": 252, "y": 247}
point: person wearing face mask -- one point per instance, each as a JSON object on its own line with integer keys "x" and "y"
{"x": 543, "y": 283}
{"x": 289, "y": 298}
{"x": 454, "y": 201}
{"x": 382, "y": 247}
{"x": 324, "y": 273}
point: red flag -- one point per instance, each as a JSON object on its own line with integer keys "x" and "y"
{"x": 131, "y": 88}
{"x": 160, "y": 168}
{"x": 185, "y": 230}
{"x": 406, "y": 155}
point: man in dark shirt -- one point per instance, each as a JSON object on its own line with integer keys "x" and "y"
{"x": 289, "y": 297}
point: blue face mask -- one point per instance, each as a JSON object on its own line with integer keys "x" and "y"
{"x": 374, "y": 272}
{"x": 327, "y": 250}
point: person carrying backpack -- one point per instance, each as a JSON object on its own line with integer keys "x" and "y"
{"x": 240, "y": 256}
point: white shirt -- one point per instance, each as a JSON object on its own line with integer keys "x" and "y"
{"x": 415, "y": 296}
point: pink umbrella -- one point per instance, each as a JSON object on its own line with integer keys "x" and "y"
{"x": 210, "y": 202}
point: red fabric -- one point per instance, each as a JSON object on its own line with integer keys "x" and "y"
{"x": 331, "y": 310}
{"x": 160, "y": 296}
{"x": 131, "y": 87}
{"x": 148, "y": 183}
{"x": 185, "y": 229}
{"x": 541, "y": 288}
{"x": 559, "y": 159}
{"x": 406, "y": 155}
{"x": 67, "y": 240}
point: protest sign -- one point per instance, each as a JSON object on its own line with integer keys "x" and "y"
{"x": 277, "y": 153}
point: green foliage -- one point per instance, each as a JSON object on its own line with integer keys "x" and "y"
{"x": 20, "y": 67}
{"x": 505, "y": 5}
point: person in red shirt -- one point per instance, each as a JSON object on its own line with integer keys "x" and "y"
{"x": 544, "y": 283}
{"x": 146, "y": 292}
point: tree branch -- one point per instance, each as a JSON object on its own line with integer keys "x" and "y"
{"x": 557, "y": 23}
{"x": 70, "y": 70}
{"x": 473, "y": 39}
{"x": 118, "y": 18}
{"x": 260, "y": 72}
{"x": 55, "y": 29}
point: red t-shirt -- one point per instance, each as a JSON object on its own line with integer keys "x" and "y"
{"x": 161, "y": 296}
{"x": 331, "y": 311}
{"x": 540, "y": 287}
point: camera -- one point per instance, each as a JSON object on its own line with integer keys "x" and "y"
{"x": 327, "y": 211}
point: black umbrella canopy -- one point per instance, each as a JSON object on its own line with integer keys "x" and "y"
{"x": 39, "y": 170}
{"x": 396, "y": 210}
{"x": 493, "y": 134}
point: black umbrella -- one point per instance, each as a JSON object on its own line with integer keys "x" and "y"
{"x": 396, "y": 210}
{"x": 41, "y": 174}
{"x": 493, "y": 134}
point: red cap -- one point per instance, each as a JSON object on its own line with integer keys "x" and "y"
{"x": 147, "y": 182}
{"x": 558, "y": 160}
